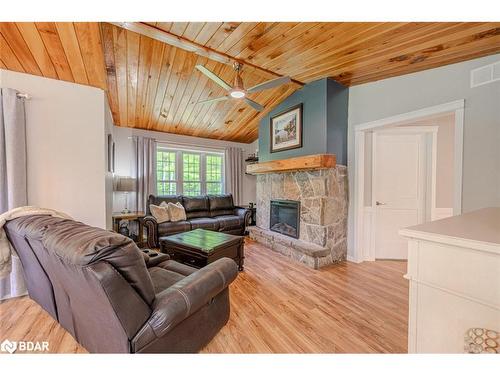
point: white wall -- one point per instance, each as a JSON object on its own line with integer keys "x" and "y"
{"x": 65, "y": 145}
{"x": 250, "y": 187}
{"x": 108, "y": 129}
{"x": 124, "y": 157}
{"x": 389, "y": 97}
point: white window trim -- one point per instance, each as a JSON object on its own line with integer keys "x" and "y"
{"x": 179, "y": 165}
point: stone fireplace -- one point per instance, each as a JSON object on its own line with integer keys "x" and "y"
{"x": 285, "y": 217}
{"x": 322, "y": 197}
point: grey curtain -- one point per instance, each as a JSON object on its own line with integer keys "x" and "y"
{"x": 145, "y": 171}
{"x": 13, "y": 176}
{"x": 234, "y": 173}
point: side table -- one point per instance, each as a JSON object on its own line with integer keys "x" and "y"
{"x": 131, "y": 216}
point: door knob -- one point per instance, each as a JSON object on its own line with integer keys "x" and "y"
{"x": 380, "y": 203}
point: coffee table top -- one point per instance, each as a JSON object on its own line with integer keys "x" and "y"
{"x": 202, "y": 239}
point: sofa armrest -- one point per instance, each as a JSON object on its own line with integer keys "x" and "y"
{"x": 244, "y": 213}
{"x": 187, "y": 296}
{"x": 153, "y": 258}
{"x": 151, "y": 225}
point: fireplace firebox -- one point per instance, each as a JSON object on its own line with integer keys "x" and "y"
{"x": 285, "y": 217}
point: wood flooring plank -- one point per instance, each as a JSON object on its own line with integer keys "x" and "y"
{"x": 50, "y": 37}
{"x": 120, "y": 48}
{"x": 165, "y": 72}
{"x": 133, "y": 41}
{"x": 71, "y": 47}
{"x": 19, "y": 47}
{"x": 8, "y": 56}
{"x": 109, "y": 60}
{"x": 145, "y": 56}
{"x": 278, "y": 306}
{"x": 89, "y": 37}
{"x": 153, "y": 81}
{"x": 37, "y": 48}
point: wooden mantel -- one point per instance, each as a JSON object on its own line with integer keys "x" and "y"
{"x": 308, "y": 162}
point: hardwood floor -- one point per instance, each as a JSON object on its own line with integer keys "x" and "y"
{"x": 278, "y": 306}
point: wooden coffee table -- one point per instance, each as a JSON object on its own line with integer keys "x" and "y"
{"x": 200, "y": 247}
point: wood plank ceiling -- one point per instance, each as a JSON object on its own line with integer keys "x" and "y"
{"x": 153, "y": 85}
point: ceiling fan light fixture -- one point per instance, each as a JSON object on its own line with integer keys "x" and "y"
{"x": 237, "y": 93}
{"x": 237, "y": 90}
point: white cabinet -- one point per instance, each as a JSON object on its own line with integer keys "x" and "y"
{"x": 454, "y": 274}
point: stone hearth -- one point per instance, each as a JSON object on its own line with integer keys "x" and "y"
{"x": 323, "y": 214}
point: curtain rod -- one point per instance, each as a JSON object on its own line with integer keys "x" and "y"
{"x": 23, "y": 96}
{"x": 188, "y": 145}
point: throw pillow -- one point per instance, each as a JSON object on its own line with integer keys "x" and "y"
{"x": 160, "y": 213}
{"x": 176, "y": 211}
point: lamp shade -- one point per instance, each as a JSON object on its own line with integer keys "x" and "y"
{"x": 125, "y": 184}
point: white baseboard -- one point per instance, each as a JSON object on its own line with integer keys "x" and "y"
{"x": 351, "y": 259}
{"x": 368, "y": 241}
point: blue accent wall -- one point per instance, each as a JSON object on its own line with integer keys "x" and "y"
{"x": 324, "y": 122}
{"x": 337, "y": 108}
{"x": 312, "y": 96}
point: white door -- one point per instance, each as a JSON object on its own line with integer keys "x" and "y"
{"x": 398, "y": 183}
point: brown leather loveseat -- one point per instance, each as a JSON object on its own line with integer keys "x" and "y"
{"x": 111, "y": 296}
{"x": 212, "y": 212}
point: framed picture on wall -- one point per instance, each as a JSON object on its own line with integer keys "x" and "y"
{"x": 111, "y": 154}
{"x": 286, "y": 129}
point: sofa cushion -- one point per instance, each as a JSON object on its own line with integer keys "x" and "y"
{"x": 221, "y": 202}
{"x": 163, "y": 278}
{"x": 176, "y": 212}
{"x": 160, "y": 213}
{"x": 229, "y": 222}
{"x": 158, "y": 200}
{"x": 80, "y": 245}
{"x": 221, "y": 205}
{"x": 204, "y": 223}
{"x": 171, "y": 227}
{"x": 34, "y": 262}
{"x": 177, "y": 267}
{"x": 196, "y": 206}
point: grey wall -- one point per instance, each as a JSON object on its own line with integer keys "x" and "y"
{"x": 389, "y": 97}
{"x": 324, "y": 106}
{"x": 444, "y": 160}
{"x": 125, "y": 157}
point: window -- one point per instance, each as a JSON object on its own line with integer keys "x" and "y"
{"x": 191, "y": 176}
{"x": 189, "y": 172}
{"x": 214, "y": 174}
{"x": 166, "y": 179}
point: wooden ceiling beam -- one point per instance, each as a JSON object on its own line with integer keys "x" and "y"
{"x": 190, "y": 46}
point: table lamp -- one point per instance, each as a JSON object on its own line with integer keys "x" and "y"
{"x": 125, "y": 184}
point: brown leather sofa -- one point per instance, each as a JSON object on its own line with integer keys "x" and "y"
{"x": 211, "y": 212}
{"x": 111, "y": 296}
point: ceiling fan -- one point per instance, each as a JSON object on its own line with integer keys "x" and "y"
{"x": 238, "y": 91}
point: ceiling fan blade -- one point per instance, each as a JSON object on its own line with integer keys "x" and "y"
{"x": 214, "y": 100}
{"x": 214, "y": 77}
{"x": 254, "y": 105}
{"x": 269, "y": 84}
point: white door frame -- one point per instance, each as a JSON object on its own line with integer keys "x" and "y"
{"x": 360, "y": 253}
{"x": 427, "y": 173}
